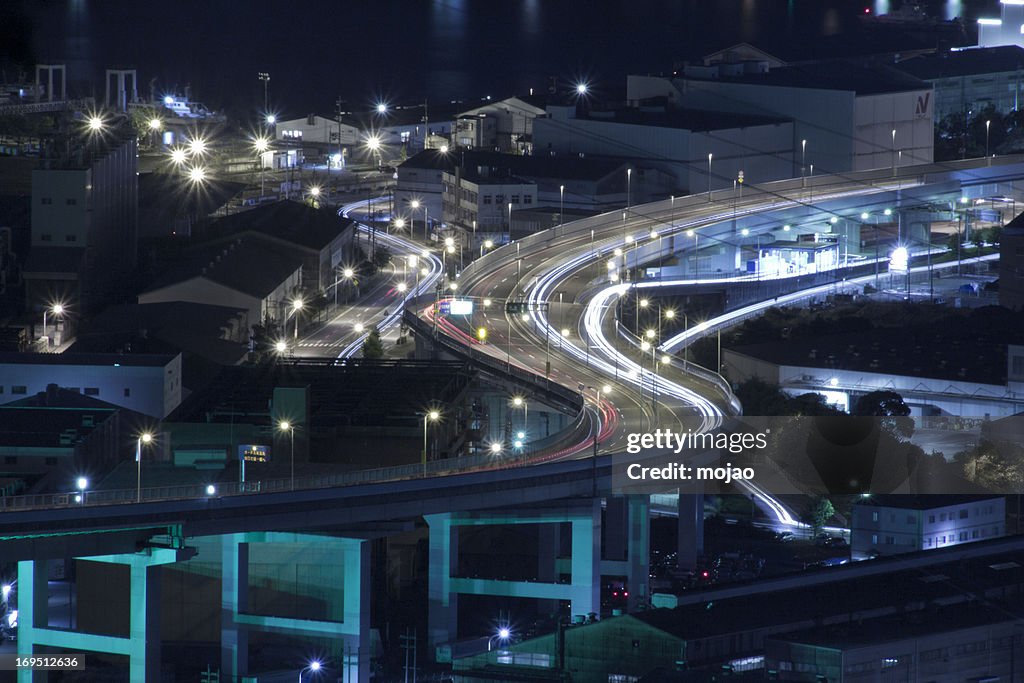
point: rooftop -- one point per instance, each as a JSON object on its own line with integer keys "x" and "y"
{"x": 846, "y": 75}
{"x": 927, "y": 502}
{"x": 683, "y": 119}
{"x": 252, "y": 264}
{"x": 292, "y": 221}
{"x": 856, "y": 634}
{"x": 957, "y": 345}
{"x": 114, "y": 359}
{"x": 974, "y": 61}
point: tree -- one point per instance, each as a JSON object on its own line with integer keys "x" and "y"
{"x": 819, "y": 513}
{"x": 381, "y": 256}
{"x": 890, "y": 406}
{"x": 373, "y": 347}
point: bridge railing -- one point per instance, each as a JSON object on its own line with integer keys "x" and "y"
{"x": 577, "y": 434}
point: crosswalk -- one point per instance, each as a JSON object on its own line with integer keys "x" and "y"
{"x": 321, "y": 344}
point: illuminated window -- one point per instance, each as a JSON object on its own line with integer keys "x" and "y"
{"x": 874, "y": 516}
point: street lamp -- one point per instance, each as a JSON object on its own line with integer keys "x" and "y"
{"x": 286, "y": 426}
{"x": 81, "y": 484}
{"x": 503, "y": 635}
{"x": 988, "y": 122}
{"x": 520, "y": 402}
{"x": 261, "y": 145}
{"x": 297, "y": 305}
{"x": 313, "y": 667}
{"x": 709, "y": 176}
{"x": 57, "y": 310}
{"x": 629, "y": 185}
{"x": 415, "y": 204}
{"x": 429, "y": 416}
{"x": 281, "y": 346}
{"x": 144, "y": 438}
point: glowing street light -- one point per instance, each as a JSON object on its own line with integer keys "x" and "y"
{"x": 58, "y": 310}
{"x": 144, "y": 438}
{"x": 178, "y": 156}
{"x": 495, "y": 447}
{"x": 429, "y": 416}
{"x": 281, "y": 346}
{"x": 95, "y": 124}
{"x": 197, "y": 175}
{"x": 81, "y": 484}
{"x": 581, "y": 88}
{"x": 314, "y": 667}
{"x": 359, "y": 327}
{"x": 271, "y": 119}
{"x": 197, "y": 146}
{"x": 382, "y": 108}
{"x": 155, "y": 124}
{"x": 297, "y": 305}
{"x": 286, "y": 426}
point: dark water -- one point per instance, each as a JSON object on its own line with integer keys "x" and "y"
{"x": 406, "y": 50}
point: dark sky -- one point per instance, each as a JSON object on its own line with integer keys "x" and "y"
{"x": 404, "y": 50}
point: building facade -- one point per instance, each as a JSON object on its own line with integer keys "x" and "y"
{"x": 894, "y": 524}
{"x": 147, "y": 384}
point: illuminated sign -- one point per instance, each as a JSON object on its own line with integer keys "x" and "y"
{"x": 253, "y": 453}
{"x": 461, "y": 307}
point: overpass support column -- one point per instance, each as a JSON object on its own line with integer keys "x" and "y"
{"x": 441, "y": 600}
{"x": 691, "y": 529}
{"x": 586, "y": 559}
{"x": 141, "y": 646}
{"x": 234, "y": 638}
{"x": 639, "y": 556}
{"x": 348, "y": 626}
{"x": 627, "y": 544}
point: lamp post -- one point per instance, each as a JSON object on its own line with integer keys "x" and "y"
{"x": 415, "y": 204}
{"x": 988, "y": 122}
{"x": 81, "y": 484}
{"x": 561, "y": 205}
{"x": 709, "y": 176}
{"x": 57, "y": 310}
{"x": 629, "y": 186}
{"x": 286, "y": 426}
{"x": 265, "y": 77}
{"x": 144, "y": 438}
{"x": 520, "y": 402}
{"x": 261, "y": 144}
{"x": 510, "y": 221}
{"x": 296, "y": 307}
{"x": 803, "y": 160}
{"x": 313, "y": 667}
{"x": 430, "y": 416}
{"x": 894, "y": 151}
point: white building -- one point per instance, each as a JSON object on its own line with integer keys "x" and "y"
{"x": 509, "y": 123}
{"x": 893, "y": 524}
{"x": 148, "y": 384}
{"x": 676, "y": 142}
{"x": 853, "y": 117}
{"x": 971, "y": 80}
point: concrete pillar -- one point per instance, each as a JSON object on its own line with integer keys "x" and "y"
{"x": 639, "y": 555}
{"x": 234, "y": 637}
{"x": 141, "y": 647}
{"x": 616, "y": 528}
{"x": 356, "y": 609}
{"x": 691, "y": 529}
{"x": 442, "y": 603}
{"x": 33, "y": 598}
{"x": 144, "y": 623}
{"x": 351, "y": 634}
{"x": 586, "y": 560}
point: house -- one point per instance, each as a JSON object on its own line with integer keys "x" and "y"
{"x": 893, "y": 524}
{"x": 504, "y": 125}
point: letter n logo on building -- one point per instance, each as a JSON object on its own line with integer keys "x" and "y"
{"x": 921, "y": 109}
